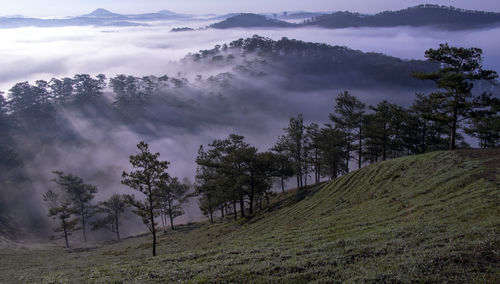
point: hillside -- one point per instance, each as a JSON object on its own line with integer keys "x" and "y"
{"x": 426, "y": 218}
{"x": 443, "y": 17}
{"x": 312, "y": 65}
{"x": 250, "y": 21}
{"x": 422, "y": 15}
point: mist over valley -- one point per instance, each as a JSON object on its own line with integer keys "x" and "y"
{"x": 78, "y": 94}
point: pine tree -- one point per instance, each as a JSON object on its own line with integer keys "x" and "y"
{"x": 61, "y": 208}
{"x": 80, "y": 194}
{"x": 148, "y": 178}
{"x": 112, "y": 208}
{"x": 459, "y": 69}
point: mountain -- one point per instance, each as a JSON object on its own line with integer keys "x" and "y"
{"x": 430, "y": 218}
{"x": 77, "y": 21}
{"x": 99, "y": 17}
{"x": 102, "y": 13}
{"x": 422, "y": 15}
{"x": 250, "y": 21}
{"x": 419, "y": 16}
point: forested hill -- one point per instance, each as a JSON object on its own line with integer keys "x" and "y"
{"x": 250, "y": 21}
{"x": 422, "y": 15}
{"x": 308, "y": 65}
{"x": 418, "y": 16}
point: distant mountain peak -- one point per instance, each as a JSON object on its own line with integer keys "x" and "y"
{"x": 101, "y": 13}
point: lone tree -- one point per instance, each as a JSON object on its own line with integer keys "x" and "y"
{"x": 62, "y": 209}
{"x": 459, "y": 69}
{"x": 151, "y": 175}
{"x": 80, "y": 194}
{"x": 112, "y": 208}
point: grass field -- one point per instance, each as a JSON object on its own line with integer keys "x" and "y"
{"x": 426, "y": 218}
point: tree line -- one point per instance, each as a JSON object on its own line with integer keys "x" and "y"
{"x": 161, "y": 195}
{"x": 232, "y": 175}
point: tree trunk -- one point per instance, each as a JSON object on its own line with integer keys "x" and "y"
{"x": 384, "y": 154}
{"x": 82, "y": 212}
{"x": 65, "y": 232}
{"x": 316, "y": 166}
{"x": 348, "y": 155}
{"x": 234, "y": 210}
{"x": 242, "y": 207}
{"x": 152, "y": 218}
{"x": 117, "y": 229}
{"x": 170, "y": 214}
{"x": 453, "y": 129}
{"x": 360, "y": 147}
{"x": 305, "y": 180}
{"x": 172, "y": 222}
{"x": 424, "y": 130}
{"x": 251, "y": 195}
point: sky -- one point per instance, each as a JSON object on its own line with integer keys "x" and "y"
{"x": 59, "y": 8}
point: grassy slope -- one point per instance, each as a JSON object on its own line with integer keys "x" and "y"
{"x": 433, "y": 217}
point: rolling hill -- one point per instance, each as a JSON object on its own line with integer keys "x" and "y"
{"x": 427, "y": 15}
{"x": 250, "y": 21}
{"x": 426, "y": 218}
{"x": 418, "y": 16}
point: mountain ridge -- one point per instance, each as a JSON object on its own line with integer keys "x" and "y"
{"x": 444, "y": 17}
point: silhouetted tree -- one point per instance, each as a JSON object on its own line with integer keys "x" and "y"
{"x": 283, "y": 167}
{"x": 313, "y": 135}
{"x": 348, "y": 117}
{"x": 88, "y": 89}
{"x": 173, "y": 195}
{"x": 112, "y": 208}
{"x": 333, "y": 151}
{"x": 485, "y": 122}
{"x": 151, "y": 175}
{"x": 80, "y": 195}
{"x": 62, "y": 209}
{"x": 460, "y": 68}
{"x": 293, "y": 140}
{"x": 206, "y": 182}
{"x": 61, "y": 90}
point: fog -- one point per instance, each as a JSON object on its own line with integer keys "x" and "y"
{"x": 43, "y": 53}
{"x": 258, "y": 110}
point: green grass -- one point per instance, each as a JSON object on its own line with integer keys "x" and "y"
{"x": 426, "y": 218}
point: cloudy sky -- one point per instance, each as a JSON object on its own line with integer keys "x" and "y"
{"x": 76, "y": 7}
